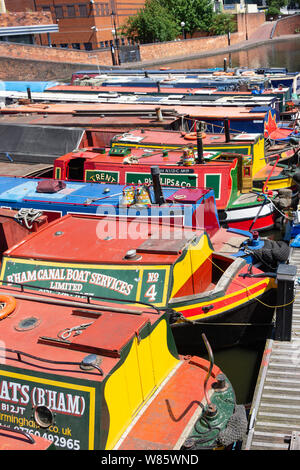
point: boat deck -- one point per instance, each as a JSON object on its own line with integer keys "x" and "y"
{"x": 275, "y": 413}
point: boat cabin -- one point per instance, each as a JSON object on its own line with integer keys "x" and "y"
{"x": 94, "y": 376}
{"x": 225, "y": 173}
{"x": 132, "y": 262}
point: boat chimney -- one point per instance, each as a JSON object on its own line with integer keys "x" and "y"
{"x": 29, "y": 94}
{"x": 226, "y": 130}
{"x": 158, "y": 194}
{"x": 225, "y": 64}
{"x": 199, "y": 143}
{"x": 159, "y": 114}
{"x": 158, "y": 87}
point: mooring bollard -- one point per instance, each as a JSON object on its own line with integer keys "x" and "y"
{"x": 286, "y": 275}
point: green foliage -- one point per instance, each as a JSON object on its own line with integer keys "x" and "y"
{"x": 273, "y": 11}
{"x": 152, "y": 23}
{"x": 159, "y": 20}
{"x": 222, "y": 24}
{"x": 196, "y": 14}
{"x": 276, "y": 4}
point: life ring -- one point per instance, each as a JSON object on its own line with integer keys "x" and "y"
{"x": 10, "y": 305}
{"x": 193, "y": 135}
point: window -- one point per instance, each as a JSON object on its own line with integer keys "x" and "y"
{"x": 64, "y": 45}
{"x": 76, "y": 45}
{"x": 71, "y": 11}
{"x": 88, "y": 46}
{"x": 59, "y": 13}
{"x": 102, "y": 44}
{"x": 83, "y": 10}
{"x": 46, "y": 8}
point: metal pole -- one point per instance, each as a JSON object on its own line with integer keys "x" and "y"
{"x": 116, "y": 36}
{"x": 286, "y": 275}
{"x": 199, "y": 143}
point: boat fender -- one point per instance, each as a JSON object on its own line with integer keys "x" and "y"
{"x": 9, "y": 305}
{"x": 236, "y": 427}
{"x": 173, "y": 316}
{"x": 272, "y": 253}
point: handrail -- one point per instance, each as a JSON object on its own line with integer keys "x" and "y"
{"x": 271, "y": 172}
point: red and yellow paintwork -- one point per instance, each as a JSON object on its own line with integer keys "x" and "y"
{"x": 189, "y": 265}
{"x": 142, "y": 376}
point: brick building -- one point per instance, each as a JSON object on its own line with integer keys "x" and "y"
{"x": 84, "y": 25}
{"x": 25, "y": 27}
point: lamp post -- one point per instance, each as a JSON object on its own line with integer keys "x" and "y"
{"x": 182, "y": 24}
{"x": 114, "y": 32}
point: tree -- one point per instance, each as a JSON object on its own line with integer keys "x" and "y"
{"x": 223, "y": 23}
{"x": 274, "y": 6}
{"x": 152, "y": 23}
{"x": 196, "y": 14}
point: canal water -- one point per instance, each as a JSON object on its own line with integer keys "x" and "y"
{"x": 273, "y": 54}
{"x": 241, "y": 364}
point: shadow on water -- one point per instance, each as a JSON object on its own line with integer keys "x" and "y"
{"x": 239, "y": 363}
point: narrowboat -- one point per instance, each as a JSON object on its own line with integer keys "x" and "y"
{"x": 202, "y": 287}
{"x": 98, "y": 376}
{"x": 273, "y": 164}
{"x": 249, "y": 211}
{"x": 229, "y": 79}
{"x": 63, "y": 95}
{"x": 83, "y": 88}
{"x": 242, "y": 119}
{"x": 229, "y": 175}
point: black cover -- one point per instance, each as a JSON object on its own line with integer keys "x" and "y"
{"x": 37, "y": 144}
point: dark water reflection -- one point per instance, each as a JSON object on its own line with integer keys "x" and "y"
{"x": 273, "y": 54}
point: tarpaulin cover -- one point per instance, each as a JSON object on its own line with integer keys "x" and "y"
{"x": 22, "y": 86}
{"x": 37, "y": 144}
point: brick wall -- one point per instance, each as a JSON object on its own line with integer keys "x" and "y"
{"x": 188, "y": 47}
{"x": 287, "y": 25}
{"x": 249, "y": 23}
{"x": 20, "y": 69}
{"x": 53, "y": 54}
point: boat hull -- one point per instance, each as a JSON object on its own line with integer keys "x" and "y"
{"x": 245, "y": 324}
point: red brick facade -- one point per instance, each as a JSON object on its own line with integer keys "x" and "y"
{"x": 82, "y": 24}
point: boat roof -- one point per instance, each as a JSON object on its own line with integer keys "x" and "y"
{"x": 107, "y": 334}
{"x": 206, "y": 112}
{"x": 18, "y": 190}
{"x": 146, "y": 156}
{"x": 83, "y": 238}
{"x": 174, "y": 138}
{"x": 164, "y": 89}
